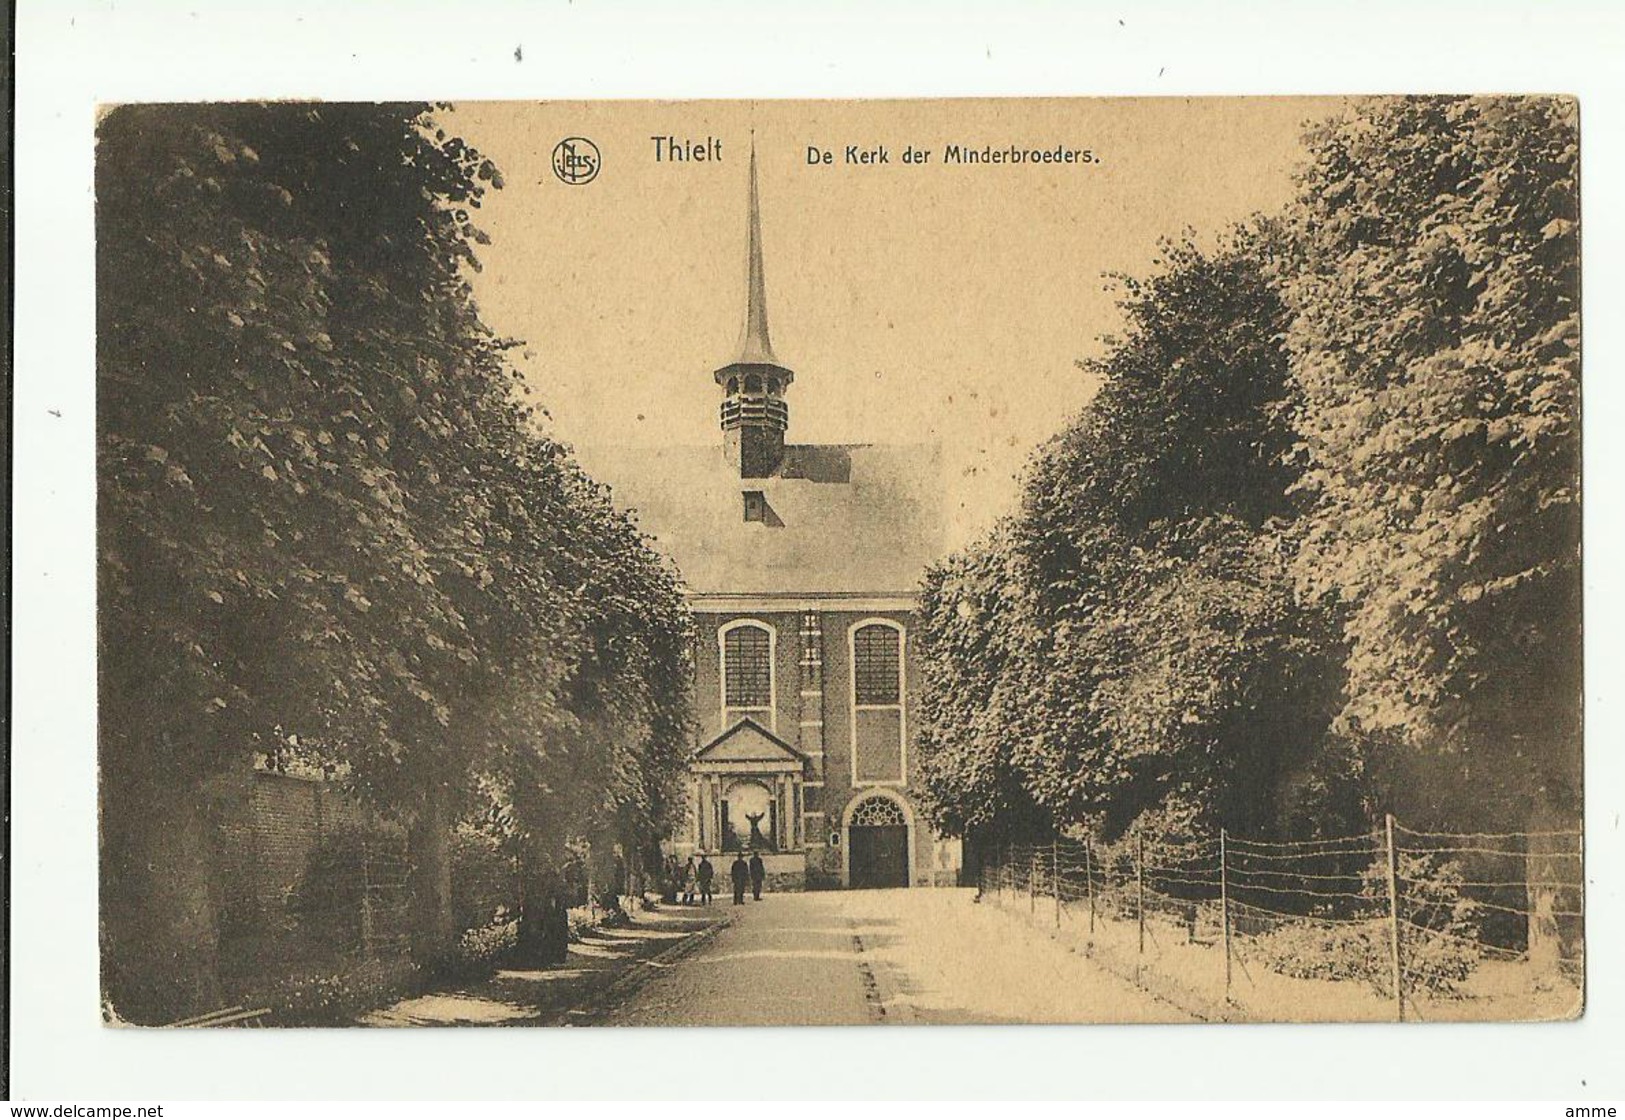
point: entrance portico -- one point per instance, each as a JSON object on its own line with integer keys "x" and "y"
{"x": 746, "y": 791}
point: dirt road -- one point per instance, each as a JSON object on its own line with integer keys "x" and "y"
{"x": 898, "y": 956}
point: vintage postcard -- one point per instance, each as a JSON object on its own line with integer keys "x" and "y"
{"x": 844, "y": 562}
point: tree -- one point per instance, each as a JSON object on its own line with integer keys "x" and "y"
{"x": 272, "y": 303}
{"x": 1146, "y": 636}
{"x": 1182, "y": 677}
{"x": 1433, "y": 278}
{"x": 327, "y": 523}
{"x": 609, "y": 774}
{"x": 976, "y": 633}
{"x": 1316, "y": 541}
{"x": 1188, "y": 421}
{"x": 1214, "y": 686}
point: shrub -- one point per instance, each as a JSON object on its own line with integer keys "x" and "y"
{"x": 481, "y": 950}
{"x": 484, "y": 878}
{"x": 326, "y": 999}
{"x": 1311, "y": 950}
{"x": 1438, "y": 936}
{"x": 491, "y": 942}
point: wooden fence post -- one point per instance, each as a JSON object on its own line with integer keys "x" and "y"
{"x": 1089, "y": 879}
{"x": 1055, "y": 875}
{"x": 1224, "y": 905}
{"x": 1393, "y": 922}
{"x": 1032, "y": 880}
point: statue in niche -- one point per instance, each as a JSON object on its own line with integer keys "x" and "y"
{"x": 757, "y": 840}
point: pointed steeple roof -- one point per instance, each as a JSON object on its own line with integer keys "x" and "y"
{"x": 755, "y": 344}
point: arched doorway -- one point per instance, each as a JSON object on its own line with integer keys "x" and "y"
{"x": 877, "y": 843}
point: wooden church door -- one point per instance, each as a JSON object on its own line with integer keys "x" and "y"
{"x": 878, "y": 844}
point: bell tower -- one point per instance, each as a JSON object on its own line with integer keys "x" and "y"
{"x": 754, "y": 413}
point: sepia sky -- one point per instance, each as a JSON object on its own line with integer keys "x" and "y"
{"x": 914, "y": 302}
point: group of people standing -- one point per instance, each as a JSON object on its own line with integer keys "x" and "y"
{"x": 695, "y": 878}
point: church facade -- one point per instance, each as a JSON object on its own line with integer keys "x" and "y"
{"x": 802, "y": 563}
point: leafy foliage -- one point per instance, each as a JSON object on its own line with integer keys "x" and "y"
{"x": 328, "y": 524}
{"x": 973, "y": 646}
{"x": 484, "y": 880}
{"x": 333, "y": 999}
{"x": 1433, "y": 280}
{"x": 1441, "y": 945}
{"x": 1315, "y": 542}
{"x": 1130, "y": 641}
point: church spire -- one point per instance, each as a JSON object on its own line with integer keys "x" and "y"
{"x": 755, "y": 347}
{"x": 754, "y": 412}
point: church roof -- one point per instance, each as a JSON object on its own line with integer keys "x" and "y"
{"x": 857, "y": 519}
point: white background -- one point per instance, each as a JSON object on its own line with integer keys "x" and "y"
{"x": 70, "y": 55}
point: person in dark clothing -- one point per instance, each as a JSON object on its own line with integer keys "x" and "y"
{"x": 671, "y": 887}
{"x": 758, "y": 872}
{"x": 741, "y": 875}
{"x": 703, "y": 875}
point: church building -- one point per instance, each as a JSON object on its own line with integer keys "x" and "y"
{"x": 802, "y": 564}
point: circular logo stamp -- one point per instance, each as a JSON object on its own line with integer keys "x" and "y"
{"x": 576, "y": 160}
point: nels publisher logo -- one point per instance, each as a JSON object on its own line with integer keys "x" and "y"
{"x": 576, "y": 161}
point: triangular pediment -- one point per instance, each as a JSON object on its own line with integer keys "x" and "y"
{"x": 749, "y": 741}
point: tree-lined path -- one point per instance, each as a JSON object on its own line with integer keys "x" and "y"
{"x": 894, "y": 956}
{"x": 1307, "y": 562}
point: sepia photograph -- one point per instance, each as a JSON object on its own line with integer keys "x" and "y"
{"x": 849, "y": 562}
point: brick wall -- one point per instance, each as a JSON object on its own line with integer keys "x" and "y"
{"x": 267, "y": 826}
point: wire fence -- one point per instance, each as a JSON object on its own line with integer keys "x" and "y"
{"x": 1394, "y": 923}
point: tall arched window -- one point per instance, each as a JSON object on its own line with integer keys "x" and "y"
{"x": 747, "y": 672}
{"x": 878, "y": 750}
